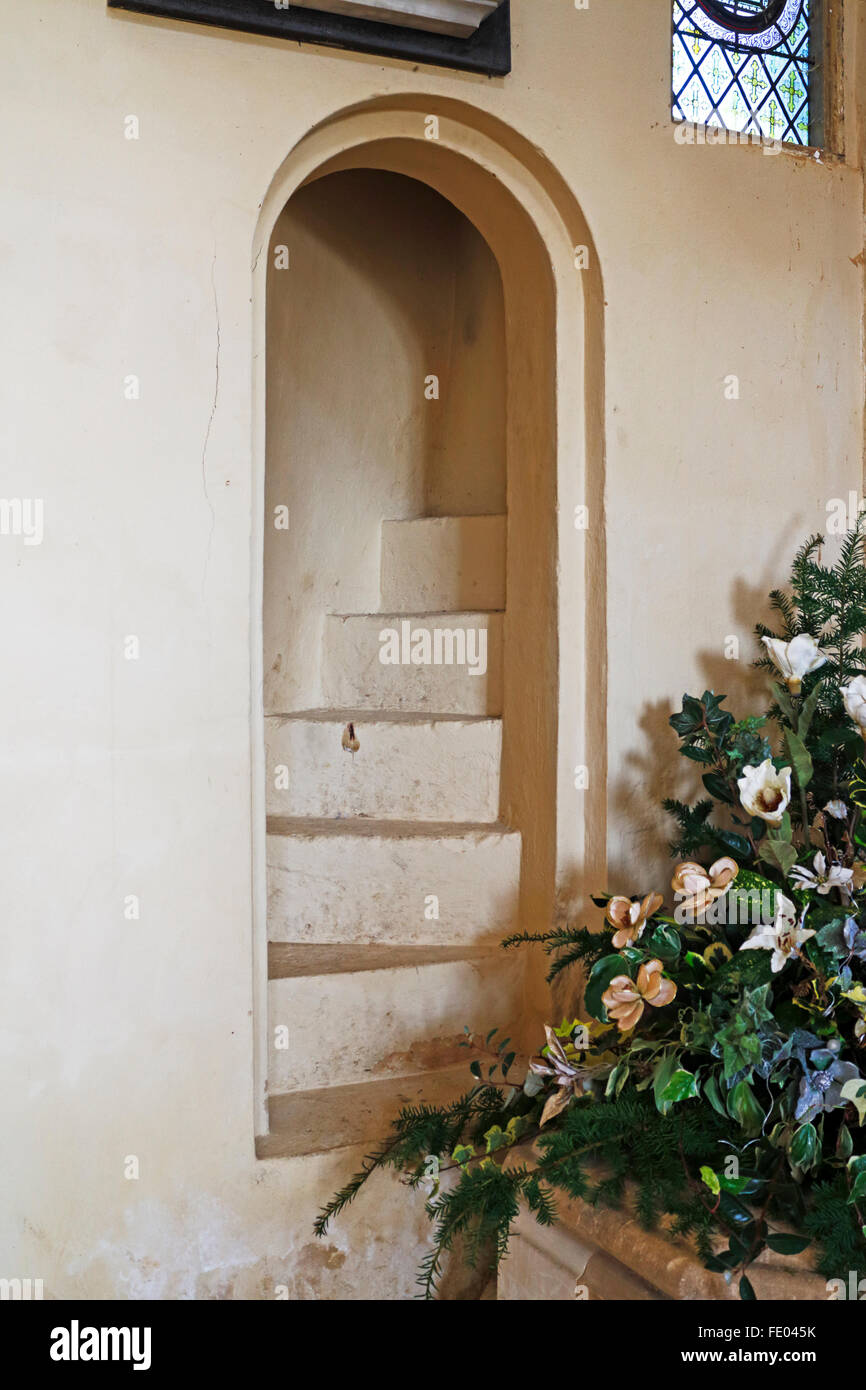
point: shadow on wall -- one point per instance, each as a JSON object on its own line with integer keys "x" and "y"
{"x": 655, "y": 770}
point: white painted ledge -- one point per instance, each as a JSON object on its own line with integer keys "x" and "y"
{"x": 460, "y": 18}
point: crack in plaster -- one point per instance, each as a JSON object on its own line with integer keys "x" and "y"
{"x": 207, "y": 434}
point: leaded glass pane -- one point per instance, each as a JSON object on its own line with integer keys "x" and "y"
{"x": 744, "y": 65}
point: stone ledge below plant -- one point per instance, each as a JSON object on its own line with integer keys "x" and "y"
{"x": 608, "y": 1253}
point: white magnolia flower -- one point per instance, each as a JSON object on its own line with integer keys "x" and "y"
{"x": 795, "y": 659}
{"x": 765, "y": 792}
{"x": 784, "y": 938}
{"x": 820, "y": 879}
{"x": 837, "y": 809}
{"x": 854, "y": 697}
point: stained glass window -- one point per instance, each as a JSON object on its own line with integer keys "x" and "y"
{"x": 745, "y": 65}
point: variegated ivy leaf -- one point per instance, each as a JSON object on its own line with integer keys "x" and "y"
{"x": 495, "y": 1139}
{"x": 517, "y": 1127}
{"x": 855, "y": 1091}
{"x": 683, "y": 1085}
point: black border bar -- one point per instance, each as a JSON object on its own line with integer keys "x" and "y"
{"x": 488, "y": 50}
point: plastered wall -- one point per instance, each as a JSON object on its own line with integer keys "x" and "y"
{"x": 131, "y": 1036}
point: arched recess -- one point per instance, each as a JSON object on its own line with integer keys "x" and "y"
{"x": 555, "y": 677}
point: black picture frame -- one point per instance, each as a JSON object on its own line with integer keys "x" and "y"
{"x": 487, "y": 51}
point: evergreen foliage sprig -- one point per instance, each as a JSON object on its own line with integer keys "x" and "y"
{"x": 717, "y": 1077}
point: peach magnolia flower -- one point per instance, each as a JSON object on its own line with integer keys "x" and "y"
{"x": 700, "y": 887}
{"x": 624, "y": 999}
{"x": 630, "y": 917}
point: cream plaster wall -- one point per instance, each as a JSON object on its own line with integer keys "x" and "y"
{"x": 126, "y": 777}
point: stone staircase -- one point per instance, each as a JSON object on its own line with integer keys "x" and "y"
{"x": 383, "y": 811}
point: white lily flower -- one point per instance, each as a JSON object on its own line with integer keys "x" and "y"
{"x": 837, "y": 809}
{"x": 819, "y": 879}
{"x": 784, "y": 938}
{"x": 765, "y": 792}
{"x": 795, "y": 659}
{"x": 854, "y": 699}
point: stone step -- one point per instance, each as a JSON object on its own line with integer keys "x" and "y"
{"x": 601, "y": 1254}
{"x": 303, "y": 960}
{"x": 371, "y": 882}
{"x": 335, "y": 1117}
{"x": 443, "y": 564}
{"x": 551, "y": 1266}
{"x": 345, "y": 1025}
{"x": 367, "y": 662}
{"x": 406, "y": 767}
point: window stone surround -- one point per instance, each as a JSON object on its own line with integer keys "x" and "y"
{"x": 460, "y": 18}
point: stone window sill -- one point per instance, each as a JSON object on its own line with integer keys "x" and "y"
{"x": 460, "y": 18}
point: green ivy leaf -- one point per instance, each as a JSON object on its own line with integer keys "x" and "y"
{"x": 697, "y": 755}
{"x": 683, "y": 1085}
{"x": 689, "y": 719}
{"x": 858, "y": 1191}
{"x": 662, "y": 1074}
{"x": 600, "y": 977}
{"x": 844, "y": 1143}
{"x": 747, "y": 1293}
{"x": 517, "y": 1127}
{"x": 805, "y": 1148}
{"x": 664, "y": 941}
{"x": 617, "y": 1079}
{"x": 718, "y": 719}
{"x": 744, "y": 1108}
{"x": 711, "y": 1091}
{"x": 495, "y": 1139}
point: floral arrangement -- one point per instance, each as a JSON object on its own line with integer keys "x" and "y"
{"x": 719, "y": 1066}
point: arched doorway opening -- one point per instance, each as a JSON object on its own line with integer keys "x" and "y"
{"x": 415, "y": 430}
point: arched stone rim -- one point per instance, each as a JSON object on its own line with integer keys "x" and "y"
{"x": 466, "y": 133}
